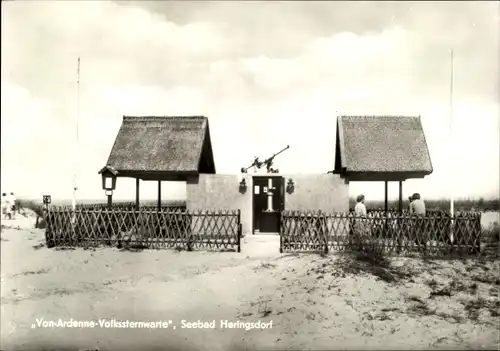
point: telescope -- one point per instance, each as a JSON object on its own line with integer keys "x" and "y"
{"x": 268, "y": 162}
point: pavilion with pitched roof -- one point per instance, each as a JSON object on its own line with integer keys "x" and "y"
{"x": 381, "y": 148}
{"x": 161, "y": 149}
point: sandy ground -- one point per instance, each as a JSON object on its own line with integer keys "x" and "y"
{"x": 314, "y": 302}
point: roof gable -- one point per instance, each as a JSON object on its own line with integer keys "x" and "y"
{"x": 162, "y": 145}
{"x": 382, "y": 145}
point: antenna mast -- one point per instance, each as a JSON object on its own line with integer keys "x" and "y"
{"x": 77, "y": 134}
{"x": 452, "y": 200}
{"x": 451, "y": 166}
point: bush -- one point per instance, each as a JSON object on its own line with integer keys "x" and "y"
{"x": 35, "y": 207}
{"x": 366, "y": 246}
{"x": 492, "y": 233}
{"x": 373, "y": 252}
{"x": 32, "y": 205}
{"x": 40, "y": 223}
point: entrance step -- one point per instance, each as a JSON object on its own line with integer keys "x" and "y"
{"x": 261, "y": 245}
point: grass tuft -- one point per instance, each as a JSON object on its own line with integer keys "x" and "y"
{"x": 492, "y": 233}
{"x": 473, "y": 307}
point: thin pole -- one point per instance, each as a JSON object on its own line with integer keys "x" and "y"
{"x": 137, "y": 193}
{"x": 75, "y": 167}
{"x": 400, "y": 203}
{"x": 386, "y": 191}
{"x": 159, "y": 195}
{"x": 386, "y": 204}
{"x": 452, "y": 200}
{"x": 77, "y": 134}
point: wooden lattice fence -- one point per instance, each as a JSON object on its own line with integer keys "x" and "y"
{"x": 392, "y": 234}
{"x": 144, "y": 227}
{"x": 125, "y": 205}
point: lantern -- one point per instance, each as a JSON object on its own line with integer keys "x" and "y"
{"x": 47, "y": 199}
{"x": 243, "y": 186}
{"x": 108, "y": 174}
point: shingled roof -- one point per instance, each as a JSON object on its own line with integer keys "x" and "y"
{"x": 381, "y": 148}
{"x": 162, "y": 148}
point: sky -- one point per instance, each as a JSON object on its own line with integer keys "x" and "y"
{"x": 266, "y": 74}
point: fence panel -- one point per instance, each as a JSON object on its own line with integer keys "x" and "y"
{"x": 435, "y": 234}
{"x": 215, "y": 228}
{"x": 144, "y": 227}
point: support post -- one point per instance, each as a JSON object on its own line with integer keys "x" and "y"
{"x": 400, "y": 210}
{"x": 110, "y": 201}
{"x": 385, "y": 197}
{"x": 386, "y": 206}
{"x": 137, "y": 193}
{"x": 400, "y": 205}
{"x": 159, "y": 194}
{"x": 270, "y": 194}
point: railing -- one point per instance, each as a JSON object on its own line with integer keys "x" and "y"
{"x": 147, "y": 227}
{"x": 393, "y": 234}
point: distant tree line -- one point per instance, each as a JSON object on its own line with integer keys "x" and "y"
{"x": 480, "y": 204}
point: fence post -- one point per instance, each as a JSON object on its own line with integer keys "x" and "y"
{"x": 187, "y": 220}
{"x": 477, "y": 232}
{"x": 323, "y": 224}
{"x": 319, "y": 230}
{"x": 281, "y": 232}
{"x": 48, "y": 227}
{"x": 452, "y": 234}
{"x": 239, "y": 230}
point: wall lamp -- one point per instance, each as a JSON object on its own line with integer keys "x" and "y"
{"x": 290, "y": 186}
{"x": 243, "y": 186}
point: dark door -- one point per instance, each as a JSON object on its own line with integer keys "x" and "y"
{"x": 267, "y": 220}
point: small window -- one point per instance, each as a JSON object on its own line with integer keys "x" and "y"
{"x": 108, "y": 183}
{"x": 256, "y": 189}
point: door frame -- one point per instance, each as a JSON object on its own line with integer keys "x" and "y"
{"x": 266, "y": 176}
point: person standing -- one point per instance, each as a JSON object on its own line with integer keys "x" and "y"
{"x": 406, "y": 230}
{"x": 4, "y": 205}
{"x": 360, "y": 225}
{"x": 12, "y": 203}
{"x": 417, "y": 208}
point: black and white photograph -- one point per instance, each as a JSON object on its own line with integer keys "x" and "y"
{"x": 250, "y": 175}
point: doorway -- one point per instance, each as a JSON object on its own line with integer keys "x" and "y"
{"x": 267, "y": 215}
